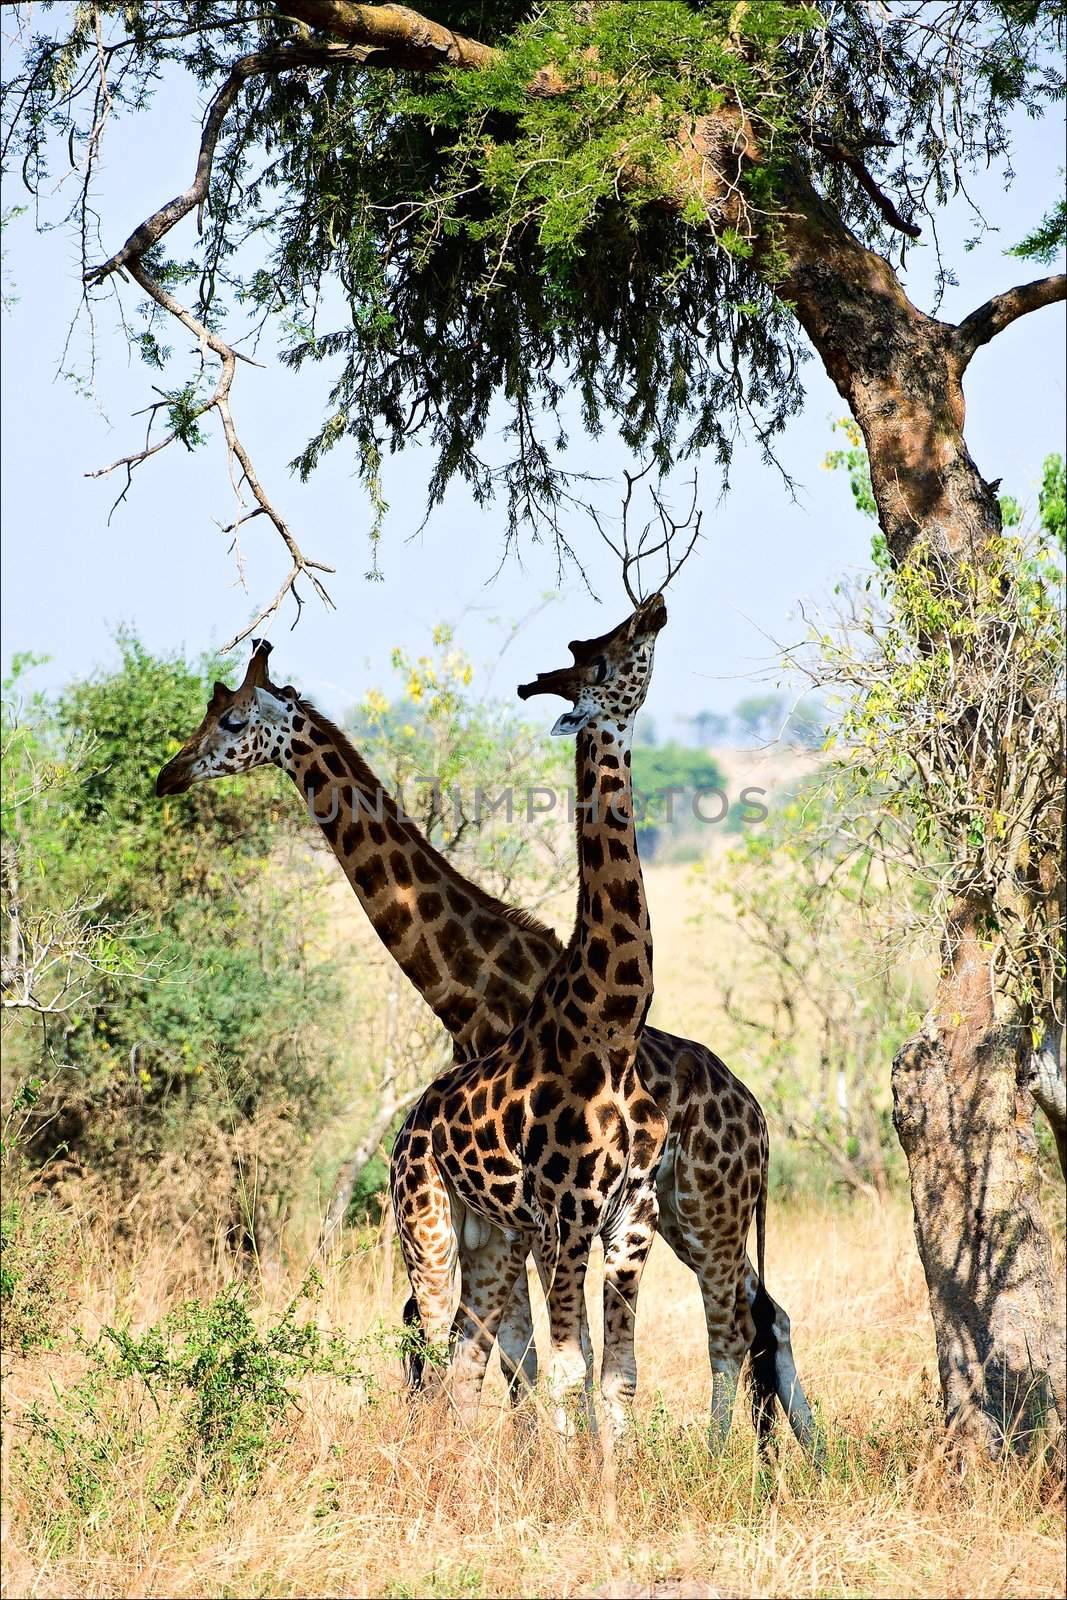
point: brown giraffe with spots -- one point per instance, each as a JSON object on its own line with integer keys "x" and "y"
{"x": 551, "y": 1140}
{"x": 478, "y": 963}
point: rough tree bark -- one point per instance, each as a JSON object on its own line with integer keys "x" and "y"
{"x": 964, "y": 1088}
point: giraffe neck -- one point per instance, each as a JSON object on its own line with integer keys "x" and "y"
{"x": 476, "y": 962}
{"x": 611, "y": 947}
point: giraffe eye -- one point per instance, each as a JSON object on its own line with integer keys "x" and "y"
{"x": 601, "y": 669}
{"x": 232, "y": 721}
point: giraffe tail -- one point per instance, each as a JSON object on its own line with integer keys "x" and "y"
{"x": 763, "y": 1351}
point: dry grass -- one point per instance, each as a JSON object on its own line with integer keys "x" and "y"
{"x": 358, "y": 1497}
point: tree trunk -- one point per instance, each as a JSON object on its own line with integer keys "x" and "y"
{"x": 963, "y": 1097}
{"x": 964, "y": 1117}
{"x": 963, "y": 1106}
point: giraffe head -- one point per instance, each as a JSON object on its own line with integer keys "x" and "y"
{"x": 610, "y": 676}
{"x": 242, "y": 728}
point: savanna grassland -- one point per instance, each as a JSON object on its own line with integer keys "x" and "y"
{"x": 245, "y": 1433}
{"x": 118, "y": 1491}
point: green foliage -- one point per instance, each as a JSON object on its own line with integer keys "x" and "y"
{"x": 370, "y": 1193}
{"x": 854, "y": 462}
{"x": 831, "y": 1001}
{"x": 497, "y": 247}
{"x": 189, "y": 1008}
{"x": 205, "y": 1394}
{"x": 238, "y": 1380}
{"x": 1052, "y": 501}
{"x": 633, "y": 73}
{"x": 184, "y": 406}
{"x": 935, "y": 679}
{"x": 658, "y": 769}
{"x": 35, "y": 1270}
{"x": 515, "y": 222}
{"x": 1045, "y": 242}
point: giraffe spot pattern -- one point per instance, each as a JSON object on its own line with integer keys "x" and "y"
{"x": 718, "y": 1141}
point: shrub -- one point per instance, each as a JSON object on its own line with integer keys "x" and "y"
{"x": 204, "y": 1393}
{"x": 234, "y": 1383}
{"x": 192, "y": 1027}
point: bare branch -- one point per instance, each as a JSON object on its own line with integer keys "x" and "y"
{"x": 393, "y": 1105}
{"x": 835, "y": 151}
{"x": 394, "y": 36}
{"x": 1003, "y": 309}
{"x": 648, "y": 545}
{"x": 301, "y": 565}
{"x": 370, "y": 30}
{"x": 53, "y": 961}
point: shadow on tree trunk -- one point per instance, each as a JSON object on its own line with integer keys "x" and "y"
{"x": 965, "y": 1122}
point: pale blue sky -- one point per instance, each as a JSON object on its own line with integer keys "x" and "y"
{"x": 161, "y": 565}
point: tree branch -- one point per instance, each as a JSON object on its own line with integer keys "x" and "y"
{"x": 258, "y": 62}
{"x": 130, "y": 259}
{"x": 1003, "y": 309}
{"x": 395, "y": 35}
{"x": 301, "y": 565}
{"x": 835, "y": 151}
{"x": 378, "y": 35}
{"x": 819, "y": 265}
{"x": 349, "y": 1174}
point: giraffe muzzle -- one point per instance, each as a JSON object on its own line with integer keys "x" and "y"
{"x": 175, "y": 777}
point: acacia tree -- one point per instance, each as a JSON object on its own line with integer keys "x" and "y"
{"x": 645, "y": 205}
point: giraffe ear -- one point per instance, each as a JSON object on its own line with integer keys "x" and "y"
{"x": 271, "y": 709}
{"x": 571, "y": 722}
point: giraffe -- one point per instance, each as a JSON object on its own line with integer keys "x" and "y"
{"x": 552, "y": 1140}
{"x": 477, "y": 964}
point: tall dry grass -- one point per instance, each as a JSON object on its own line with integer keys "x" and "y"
{"x": 358, "y": 1495}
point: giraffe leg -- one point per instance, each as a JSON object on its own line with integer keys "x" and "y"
{"x": 562, "y": 1260}
{"x": 625, "y": 1253}
{"x": 585, "y": 1343}
{"x": 515, "y": 1340}
{"x": 730, "y": 1332}
{"x": 725, "y": 1372}
{"x": 518, "y": 1353}
{"x": 731, "y": 1325}
{"x": 586, "y": 1340}
{"x": 488, "y": 1273}
{"x": 423, "y": 1211}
